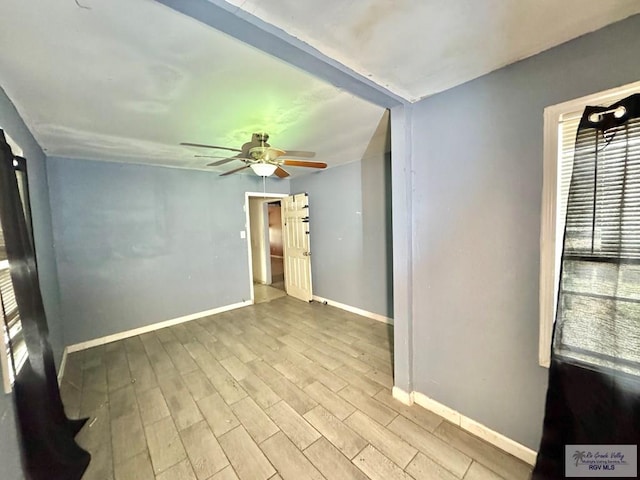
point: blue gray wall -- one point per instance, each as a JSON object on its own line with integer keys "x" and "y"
{"x": 139, "y": 244}
{"x": 477, "y": 182}
{"x": 12, "y": 123}
{"x": 350, "y": 233}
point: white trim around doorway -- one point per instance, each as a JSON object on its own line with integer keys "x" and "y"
{"x": 247, "y": 196}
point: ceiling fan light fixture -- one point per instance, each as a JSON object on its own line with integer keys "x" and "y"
{"x": 263, "y": 169}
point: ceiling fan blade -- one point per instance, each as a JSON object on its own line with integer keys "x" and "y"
{"x": 220, "y": 162}
{"x": 281, "y": 172}
{"x": 303, "y": 163}
{"x": 272, "y": 153}
{"x": 225, "y": 160}
{"x": 300, "y": 153}
{"x": 234, "y": 171}
{"x": 189, "y": 144}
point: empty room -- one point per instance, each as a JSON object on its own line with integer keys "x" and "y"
{"x": 266, "y": 240}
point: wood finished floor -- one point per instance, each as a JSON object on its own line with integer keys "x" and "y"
{"x": 267, "y": 293}
{"x": 280, "y": 390}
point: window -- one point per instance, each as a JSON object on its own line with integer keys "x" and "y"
{"x": 560, "y": 127}
{"x": 13, "y": 349}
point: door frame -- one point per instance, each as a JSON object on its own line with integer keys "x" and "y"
{"x": 247, "y": 196}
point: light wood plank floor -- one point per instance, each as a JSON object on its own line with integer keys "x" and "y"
{"x": 267, "y": 293}
{"x": 280, "y": 390}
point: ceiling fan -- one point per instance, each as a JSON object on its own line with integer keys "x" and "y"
{"x": 261, "y": 157}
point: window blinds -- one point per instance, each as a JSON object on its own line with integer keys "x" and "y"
{"x": 598, "y": 319}
{"x": 568, "y": 128}
{"x": 15, "y": 348}
{"x": 603, "y": 218}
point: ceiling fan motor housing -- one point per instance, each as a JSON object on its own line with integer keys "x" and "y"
{"x": 261, "y": 138}
{"x": 265, "y": 153}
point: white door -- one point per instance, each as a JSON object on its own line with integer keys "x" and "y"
{"x": 296, "y": 246}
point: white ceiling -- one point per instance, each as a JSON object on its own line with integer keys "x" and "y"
{"x": 127, "y": 80}
{"x": 416, "y": 48}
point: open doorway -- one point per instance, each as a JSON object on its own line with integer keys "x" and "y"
{"x": 294, "y": 232}
{"x": 276, "y": 253}
{"x": 264, "y": 235}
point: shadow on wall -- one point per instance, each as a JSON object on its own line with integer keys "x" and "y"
{"x": 390, "y": 340}
{"x": 377, "y": 229}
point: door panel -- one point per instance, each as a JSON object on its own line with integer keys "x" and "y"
{"x": 296, "y": 243}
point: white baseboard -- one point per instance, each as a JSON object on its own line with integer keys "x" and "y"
{"x": 356, "y": 310}
{"x": 438, "y": 408}
{"x": 475, "y": 428}
{"x": 402, "y": 396}
{"x": 63, "y": 364}
{"x": 504, "y": 443}
{"x": 154, "y": 326}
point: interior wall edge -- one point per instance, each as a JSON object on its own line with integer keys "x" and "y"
{"x": 402, "y": 254}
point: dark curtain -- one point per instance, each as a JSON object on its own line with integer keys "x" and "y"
{"x": 594, "y": 379}
{"x": 46, "y": 435}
